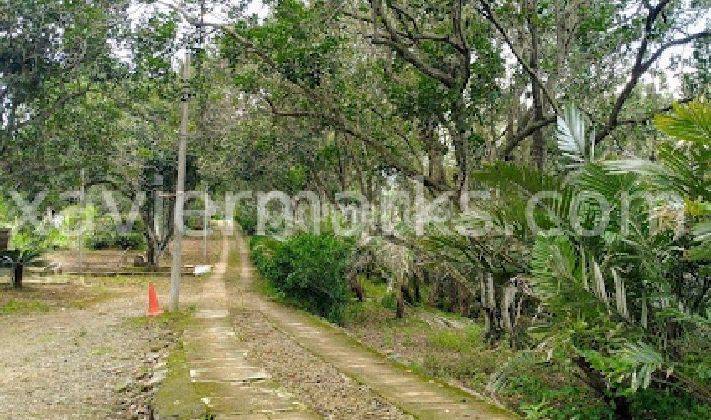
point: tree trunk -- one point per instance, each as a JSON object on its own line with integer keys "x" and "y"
{"x": 460, "y": 140}
{"x": 400, "y": 311}
{"x": 151, "y": 244}
{"x": 406, "y": 295}
{"x": 155, "y": 241}
{"x": 490, "y": 310}
{"x": 539, "y": 143}
{"x": 623, "y": 408}
{"x": 595, "y": 380}
{"x": 151, "y": 255}
{"x": 357, "y": 288}
{"x": 17, "y": 275}
{"x": 435, "y": 153}
{"x": 417, "y": 291}
{"x": 4, "y": 238}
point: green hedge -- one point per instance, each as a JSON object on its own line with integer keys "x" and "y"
{"x": 310, "y": 270}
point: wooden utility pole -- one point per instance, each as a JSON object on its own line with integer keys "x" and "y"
{"x": 205, "y": 222}
{"x": 82, "y": 206}
{"x": 177, "y": 265}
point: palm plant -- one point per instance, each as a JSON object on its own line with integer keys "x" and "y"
{"x": 682, "y": 168}
{"x": 464, "y": 258}
{"x": 659, "y": 273}
{"x": 391, "y": 260}
{"x": 17, "y": 260}
{"x": 623, "y": 303}
{"x": 28, "y": 244}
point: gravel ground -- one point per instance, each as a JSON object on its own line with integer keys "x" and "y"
{"x": 314, "y": 382}
{"x": 80, "y": 363}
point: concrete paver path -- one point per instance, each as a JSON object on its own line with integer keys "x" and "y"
{"x": 231, "y": 386}
{"x": 423, "y": 398}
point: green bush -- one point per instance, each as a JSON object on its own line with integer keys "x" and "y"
{"x": 114, "y": 240}
{"x": 246, "y": 216}
{"x": 308, "y": 269}
{"x": 665, "y": 404}
{"x": 108, "y": 236}
{"x": 262, "y": 250}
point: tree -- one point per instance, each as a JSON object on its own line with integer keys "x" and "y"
{"x": 570, "y": 32}
{"x": 17, "y": 260}
{"x": 53, "y": 54}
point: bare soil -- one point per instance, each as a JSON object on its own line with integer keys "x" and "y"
{"x": 79, "y": 350}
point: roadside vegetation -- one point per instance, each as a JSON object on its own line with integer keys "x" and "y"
{"x": 308, "y": 270}
{"x": 560, "y": 149}
{"x": 617, "y": 320}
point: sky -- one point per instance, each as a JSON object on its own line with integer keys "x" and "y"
{"x": 137, "y": 10}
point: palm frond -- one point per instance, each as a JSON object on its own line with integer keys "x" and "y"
{"x": 643, "y": 360}
{"x": 507, "y": 176}
{"x": 690, "y": 122}
{"x": 572, "y": 140}
{"x": 702, "y": 231}
{"x": 676, "y": 170}
{"x": 599, "y": 283}
{"x": 637, "y": 166}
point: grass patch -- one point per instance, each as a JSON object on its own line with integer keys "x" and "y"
{"x": 128, "y": 281}
{"x": 97, "y": 295}
{"x": 14, "y": 306}
{"x": 374, "y": 290}
{"x": 50, "y": 297}
{"x": 177, "y": 397}
{"x": 175, "y": 321}
{"x": 457, "y": 340}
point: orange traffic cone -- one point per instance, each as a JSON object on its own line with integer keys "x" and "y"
{"x": 153, "y": 308}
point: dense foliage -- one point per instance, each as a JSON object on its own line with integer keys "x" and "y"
{"x": 540, "y": 119}
{"x": 308, "y": 269}
{"x": 108, "y": 236}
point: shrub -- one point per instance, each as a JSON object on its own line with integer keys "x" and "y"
{"x": 108, "y": 236}
{"x": 262, "y": 250}
{"x": 246, "y": 216}
{"x": 308, "y": 269}
{"x": 113, "y": 240}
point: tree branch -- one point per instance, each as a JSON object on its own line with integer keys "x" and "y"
{"x": 641, "y": 66}
{"x": 673, "y": 43}
{"x": 277, "y": 112}
{"x": 488, "y": 13}
{"x": 461, "y": 43}
{"x": 333, "y": 118}
{"x": 525, "y": 132}
{"x": 411, "y": 58}
{"x": 645, "y": 118}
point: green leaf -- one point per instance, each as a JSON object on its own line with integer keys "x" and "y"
{"x": 572, "y": 136}
{"x": 690, "y": 122}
